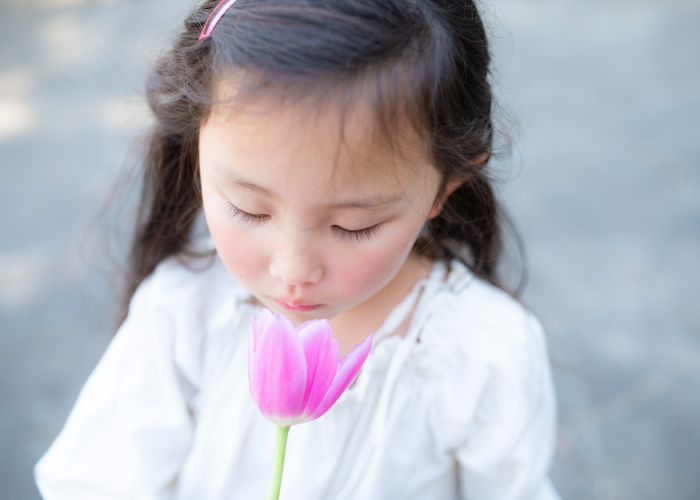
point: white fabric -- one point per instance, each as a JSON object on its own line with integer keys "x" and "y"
{"x": 461, "y": 407}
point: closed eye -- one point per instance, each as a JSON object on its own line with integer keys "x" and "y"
{"x": 245, "y": 216}
{"x": 358, "y": 234}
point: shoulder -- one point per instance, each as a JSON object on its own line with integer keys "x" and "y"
{"x": 183, "y": 311}
{"x": 491, "y": 355}
{"x": 485, "y": 323}
{"x": 186, "y": 285}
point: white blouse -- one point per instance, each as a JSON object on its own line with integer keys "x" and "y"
{"x": 461, "y": 407}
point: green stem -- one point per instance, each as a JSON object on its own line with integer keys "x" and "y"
{"x": 278, "y": 463}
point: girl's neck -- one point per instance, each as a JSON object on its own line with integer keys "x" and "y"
{"x": 352, "y": 325}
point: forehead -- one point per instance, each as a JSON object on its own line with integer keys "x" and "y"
{"x": 335, "y": 148}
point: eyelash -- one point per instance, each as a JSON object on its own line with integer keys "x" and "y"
{"x": 357, "y": 234}
{"x": 245, "y": 216}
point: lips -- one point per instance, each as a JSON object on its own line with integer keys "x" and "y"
{"x": 297, "y": 306}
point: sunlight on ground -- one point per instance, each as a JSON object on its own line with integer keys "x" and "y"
{"x": 55, "y": 3}
{"x": 18, "y": 115}
{"x": 65, "y": 40}
{"x": 124, "y": 114}
{"x": 23, "y": 276}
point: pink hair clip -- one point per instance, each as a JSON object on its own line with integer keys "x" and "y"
{"x": 215, "y": 17}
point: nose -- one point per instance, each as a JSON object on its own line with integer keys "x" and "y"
{"x": 296, "y": 267}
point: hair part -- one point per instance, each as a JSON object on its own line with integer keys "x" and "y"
{"x": 423, "y": 63}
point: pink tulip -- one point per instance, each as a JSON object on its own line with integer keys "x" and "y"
{"x": 294, "y": 373}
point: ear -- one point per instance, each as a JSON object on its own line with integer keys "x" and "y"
{"x": 453, "y": 184}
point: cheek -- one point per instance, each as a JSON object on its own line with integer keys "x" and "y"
{"x": 240, "y": 258}
{"x": 235, "y": 246}
{"x": 370, "y": 270}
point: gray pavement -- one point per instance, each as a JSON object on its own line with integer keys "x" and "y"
{"x": 604, "y": 186}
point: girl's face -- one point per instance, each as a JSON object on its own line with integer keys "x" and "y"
{"x": 311, "y": 220}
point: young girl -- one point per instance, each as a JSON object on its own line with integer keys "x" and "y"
{"x": 338, "y": 150}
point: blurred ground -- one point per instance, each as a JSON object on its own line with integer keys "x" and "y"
{"x": 604, "y": 186}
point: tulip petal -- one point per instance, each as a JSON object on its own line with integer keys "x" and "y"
{"x": 321, "y": 351}
{"x": 348, "y": 368}
{"x": 265, "y": 318}
{"x": 252, "y": 330}
{"x": 254, "y": 327}
{"x": 279, "y": 370}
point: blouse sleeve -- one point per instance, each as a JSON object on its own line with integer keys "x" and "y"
{"x": 500, "y": 412}
{"x": 131, "y": 427}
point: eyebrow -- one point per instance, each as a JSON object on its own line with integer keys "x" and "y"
{"x": 372, "y": 201}
{"x": 233, "y": 179}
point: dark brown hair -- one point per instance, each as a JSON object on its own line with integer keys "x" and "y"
{"x": 427, "y": 62}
